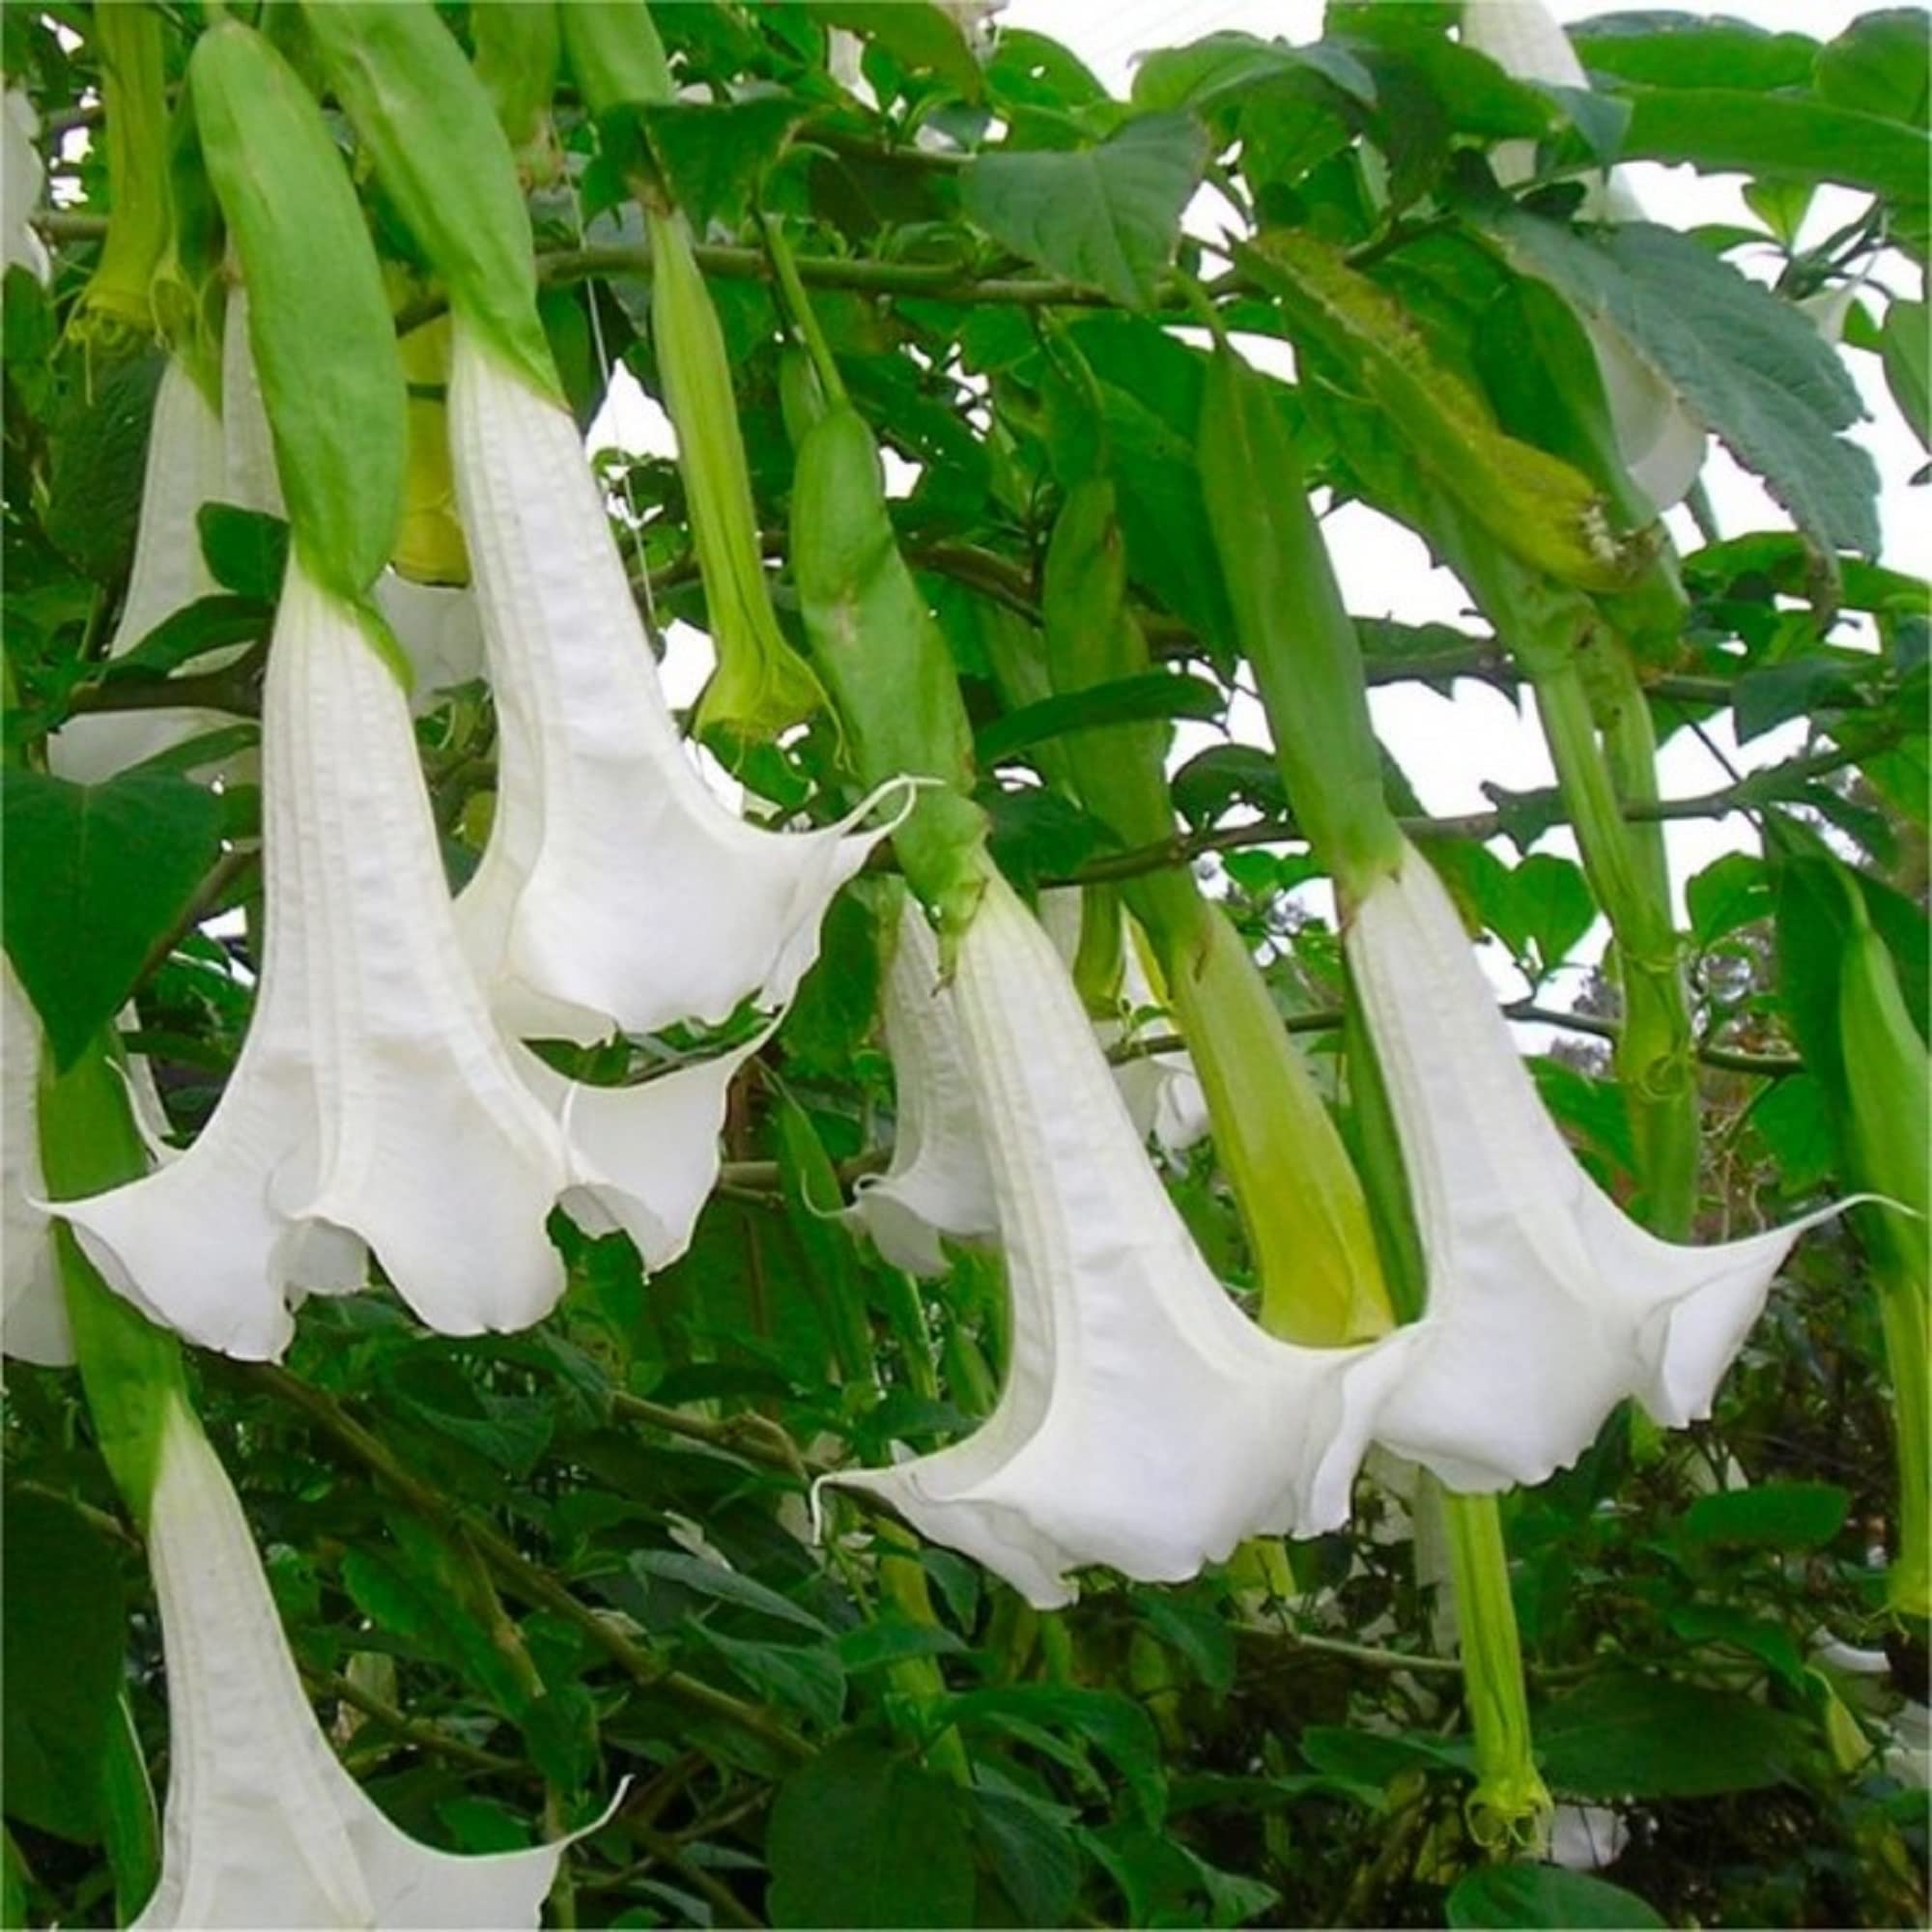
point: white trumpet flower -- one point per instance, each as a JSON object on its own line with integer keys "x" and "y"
{"x": 615, "y": 888}
{"x": 1663, "y": 443}
{"x": 1145, "y": 1423}
{"x": 185, "y": 470}
{"x": 939, "y": 1183}
{"x": 263, "y": 1825}
{"x": 374, "y": 1104}
{"x": 1164, "y": 1096}
{"x": 22, "y": 176}
{"x": 33, "y": 1315}
{"x": 1547, "y": 1305}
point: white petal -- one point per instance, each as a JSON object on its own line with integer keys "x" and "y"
{"x": 644, "y": 1158}
{"x": 1663, "y": 444}
{"x": 33, "y": 1315}
{"x": 615, "y": 888}
{"x": 248, "y": 448}
{"x": 938, "y": 1182}
{"x": 21, "y": 179}
{"x": 183, "y": 471}
{"x": 373, "y": 1102}
{"x": 441, "y": 632}
{"x": 263, "y": 1827}
{"x": 1547, "y": 1305}
{"x": 1145, "y": 1423}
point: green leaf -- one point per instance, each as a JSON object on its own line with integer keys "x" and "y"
{"x": 1878, "y": 65}
{"x": 1508, "y": 1895}
{"x": 864, "y": 1837}
{"x": 794, "y": 1675}
{"x": 722, "y": 1585}
{"x": 246, "y": 550}
{"x": 1724, "y": 130}
{"x": 1548, "y": 909}
{"x": 1625, "y": 1736}
{"x": 1748, "y": 364}
{"x": 1792, "y": 1120}
{"x": 1218, "y": 66}
{"x": 1768, "y": 1516}
{"x": 1729, "y": 894}
{"x": 1691, "y": 50}
{"x": 714, "y": 157}
{"x": 94, "y": 502}
{"x": 1031, "y": 1851}
{"x": 213, "y": 623}
{"x": 1905, "y": 346}
{"x": 1125, "y": 700}
{"x": 1108, "y": 215}
{"x": 559, "y": 1728}
{"x": 1115, "y": 1725}
{"x": 96, "y": 875}
{"x": 922, "y": 37}
{"x": 64, "y": 1628}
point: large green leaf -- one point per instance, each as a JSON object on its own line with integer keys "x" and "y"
{"x": 64, "y": 1627}
{"x": 1768, "y": 1516}
{"x": 920, "y": 36}
{"x": 1509, "y": 1895}
{"x": 1749, "y": 365}
{"x": 1107, "y": 215}
{"x": 1218, "y": 66}
{"x": 1878, "y": 65}
{"x": 1725, "y": 129}
{"x": 95, "y": 876}
{"x": 1626, "y": 1736}
{"x": 1660, "y": 49}
{"x": 864, "y": 1836}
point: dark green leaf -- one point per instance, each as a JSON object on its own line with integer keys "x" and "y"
{"x": 1114, "y": 1725}
{"x": 863, "y": 1837}
{"x": 1792, "y": 1120}
{"x": 713, "y": 158}
{"x": 1728, "y": 130}
{"x": 1878, "y": 65}
{"x": 1747, "y": 363}
{"x": 1768, "y": 1516}
{"x": 96, "y": 875}
{"x": 63, "y": 1631}
{"x": 211, "y": 623}
{"x": 793, "y": 1676}
{"x": 1905, "y": 344}
{"x": 1509, "y": 1895}
{"x": 1108, "y": 215}
{"x": 95, "y": 493}
{"x": 922, "y": 37}
{"x": 1217, "y": 65}
{"x": 1625, "y": 1736}
{"x": 1692, "y": 50}
{"x": 1728, "y": 893}
{"x": 722, "y": 1585}
{"x": 246, "y": 550}
{"x": 1766, "y": 698}
{"x": 559, "y": 1728}
{"x": 1031, "y": 1851}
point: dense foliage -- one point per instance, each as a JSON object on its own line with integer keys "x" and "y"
{"x": 516, "y": 1569}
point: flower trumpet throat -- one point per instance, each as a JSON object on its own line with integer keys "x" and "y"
{"x": 1545, "y": 1304}
{"x": 374, "y": 1105}
{"x": 1145, "y": 1422}
{"x": 263, "y": 1825}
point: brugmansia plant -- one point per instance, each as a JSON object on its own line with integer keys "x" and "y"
{"x": 988, "y": 1279}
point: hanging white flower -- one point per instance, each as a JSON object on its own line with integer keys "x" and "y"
{"x": 1547, "y": 1304}
{"x": 1663, "y": 443}
{"x": 33, "y": 1315}
{"x": 262, "y": 1825}
{"x": 1164, "y": 1096}
{"x": 22, "y": 176}
{"x": 1145, "y": 1422}
{"x": 374, "y": 1105}
{"x": 615, "y": 888}
{"x": 185, "y": 470}
{"x": 938, "y": 1182}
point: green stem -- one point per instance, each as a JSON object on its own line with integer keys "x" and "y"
{"x": 805, "y": 318}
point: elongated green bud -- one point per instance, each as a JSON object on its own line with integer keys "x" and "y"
{"x": 1886, "y": 1074}
{"x": 761, "y": 684}
{"x": 519, "y": 43}
{"x": 1299, "y": 1197}
{"x": 427, "y": 124}
{"x": 883, "y": 654}
{"x": 115, "y": 313}
{"x": 1292, "y": 625}
{"x": 128, "y": 1367}
{"x": 317, "y": 317}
